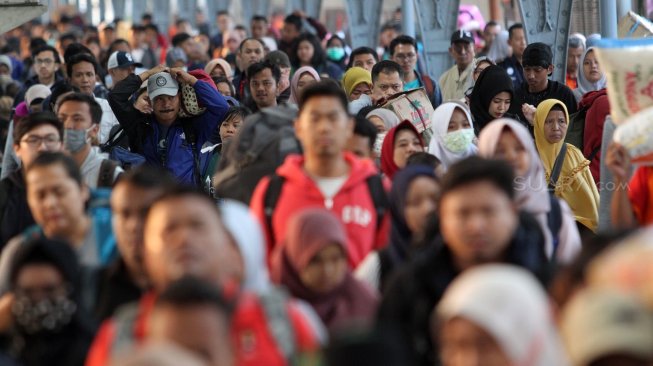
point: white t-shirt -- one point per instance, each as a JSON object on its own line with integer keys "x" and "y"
{"x": 329, "y": 188}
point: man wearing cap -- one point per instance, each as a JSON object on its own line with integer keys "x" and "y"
{"x": 455, "y": 81}
{"x": 282, "y": 61}
{"x": 403, "y": 51}
{"x": 121, "y": 64}
{"x": 538, "y": 65}
{"x": 162, "y": 137}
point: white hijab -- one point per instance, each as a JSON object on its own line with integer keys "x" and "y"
{"x": 511, "y": 306}
{"x": 584, "y": 85}
{"x": 247, "y": 234}
{"x": 439, "y": 126}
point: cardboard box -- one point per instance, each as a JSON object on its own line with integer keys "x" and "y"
{"x": 413, "y": 105}
{"x": 634, "y": 26}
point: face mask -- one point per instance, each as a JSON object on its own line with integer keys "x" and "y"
{"x": 47, "y": 315}
{"x": 74, "y": 140}
{"x": 459, "y": 141}
{"x": 335, "y": 53}
{"x": 379, "y": 143}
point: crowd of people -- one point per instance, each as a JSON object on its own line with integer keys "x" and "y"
{"x": 251, "y": 198}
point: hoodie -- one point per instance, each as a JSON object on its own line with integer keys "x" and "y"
{"x": 352, "y": 204}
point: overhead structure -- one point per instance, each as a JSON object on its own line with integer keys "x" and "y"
{"x": 212, "y": 9}
{"x": 438, "y": 20}
{"x": 186, "y": 10}
{"x": 119, "y": 8}
{"x": 16, "y": 12}
{"x": 161, "y": 15}
{"x": 547, "y": 21}
{"x": 254, "y": 7}
{"x": 310, "y": 7}
{"x": 364, "y": 17}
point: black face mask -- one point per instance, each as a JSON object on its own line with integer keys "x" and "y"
{"x": 49, "y": 315}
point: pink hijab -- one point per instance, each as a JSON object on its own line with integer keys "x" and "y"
{"x": 223, "y": 64}
{"x": 294, "y": 98}
{"x": 308, "y": 233}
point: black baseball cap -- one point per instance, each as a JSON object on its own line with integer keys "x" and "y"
{"x": 537, "y": 54}
{"x": 462, "y": 36}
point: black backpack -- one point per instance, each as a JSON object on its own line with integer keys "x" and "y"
{"x": 261, "y": 145}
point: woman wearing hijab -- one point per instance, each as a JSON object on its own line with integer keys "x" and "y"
{"x": 316, "y": 241}
{"x": 357, "y": 82}
{"x": 453, "y": 133}
{"x": 511, "y": 141}
{"x": 499, "y": 314}
{"x": 413, "y": 198}
{"x": 384, "y": 119}
{"x": 399, "y": 144}
{"x": 218, "y": 68}
{"x": 574, "y": 183}
{"x": 590, "y": 75}
{"x": 491, "y": 97}
{"x": 303, "y": 77}
{"x": 258, "y": 295}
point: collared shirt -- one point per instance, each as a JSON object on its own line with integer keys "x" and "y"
{"x": 454, "y": 84}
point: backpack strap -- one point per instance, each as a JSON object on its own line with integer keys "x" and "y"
{"x": 270, "y": 200}
{"x": 593, "y": 153}
{"x": 113, "y": 140}
{"x": 191, "y": 138}
{"x": 275, "y": 307}
{"x": 107, "y": 171}
{"x": 379, "y": 197}
{"x": 557, "y": 168}
{"x": 554, "y": 221}
{"x": 428, "y": 85}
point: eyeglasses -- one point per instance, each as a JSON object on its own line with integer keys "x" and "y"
{"x": 50, "y": 141}
{"x": 46, "y": 61}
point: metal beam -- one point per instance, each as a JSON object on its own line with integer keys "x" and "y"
{"x": 186, "y": 10}
{"x": 364, "y": 17}
{"x": 608, "y": 14}
{"x": 438, "y": 20}
{"x": 547, "y": 21}
{"x": 254, "y": 7}
{"x": 118, "y": 8}
{"x": 408, "y": 17}
{"x": 212, "y": 9}
{"x": 161, "y": 15}
{"x": 310, "y": 7}
{"x": 138, "y": 9}
{"x": 623, "y": 7}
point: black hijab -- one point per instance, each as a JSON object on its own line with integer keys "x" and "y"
{"x": 492, "y": 81}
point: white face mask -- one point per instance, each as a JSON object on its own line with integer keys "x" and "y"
{"x": 379, "y": 143}
{"x": 459, "y": 141}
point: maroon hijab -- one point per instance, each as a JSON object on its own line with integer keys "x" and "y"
{"x": 308, "y": 233}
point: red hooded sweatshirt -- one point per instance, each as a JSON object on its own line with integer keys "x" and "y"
{"x": 599, "y": 108}
{"x": 352, "y": 204}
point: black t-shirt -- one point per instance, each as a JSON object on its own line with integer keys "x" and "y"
{"x": 554, "y": 90}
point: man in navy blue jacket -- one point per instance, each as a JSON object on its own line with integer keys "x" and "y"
{"x": 162, "y": 137}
